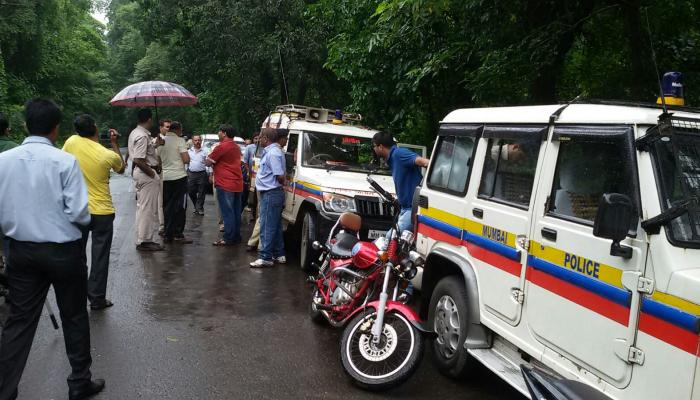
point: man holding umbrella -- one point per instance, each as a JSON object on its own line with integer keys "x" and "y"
{"x": 147, "y": 182}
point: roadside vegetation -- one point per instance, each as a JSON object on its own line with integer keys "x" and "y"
{"x": 403, "y": 64}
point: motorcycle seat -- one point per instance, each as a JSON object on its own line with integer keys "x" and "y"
{"x": 344, "y": 242}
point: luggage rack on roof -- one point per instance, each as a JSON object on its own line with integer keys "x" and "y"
{"x": 667, "y": 126}
{"x": 625, "y": 103}
{"x": 316, "y": 114}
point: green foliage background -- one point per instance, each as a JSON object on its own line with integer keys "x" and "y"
{"x": 402, "y": 64}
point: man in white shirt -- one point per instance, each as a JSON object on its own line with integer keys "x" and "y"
{"x": 173, "y": 154}
{"x": 197, "y": 179}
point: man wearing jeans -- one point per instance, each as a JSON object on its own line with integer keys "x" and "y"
{"x": 228, "y": 179}
{"x": 269, "y": 182}
{"x": 95, "y": 163}
{"x": 42, "y": 215}
{"x": 406, "y": 170}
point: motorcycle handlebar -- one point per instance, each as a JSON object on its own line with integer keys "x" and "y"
{"x": 380, "y": 190}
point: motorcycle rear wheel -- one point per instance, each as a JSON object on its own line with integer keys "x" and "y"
{"x": 387, "y": 364}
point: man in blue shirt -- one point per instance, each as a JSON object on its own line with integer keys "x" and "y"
{"x": 41, "y": 215}
{"x": 405, "y": 168}
{"x": 269, "y": 183}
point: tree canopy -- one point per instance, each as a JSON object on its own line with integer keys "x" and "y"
{"x": 403, "y": 64}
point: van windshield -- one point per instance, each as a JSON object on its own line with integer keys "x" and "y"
{"x": 677, "y": 159}
{"x": 341, "y": 152}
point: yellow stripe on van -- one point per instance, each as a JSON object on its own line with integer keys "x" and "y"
{"x": 676, "y": 302}
{"x": 310, "y": 185}
{"x": 443, "y": 216}
{"x": 466, "y": 224}
{"x": 606, "y": 273}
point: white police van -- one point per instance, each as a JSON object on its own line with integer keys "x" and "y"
{"x": 566, "y": 238}
{"x": 328, "y": 157}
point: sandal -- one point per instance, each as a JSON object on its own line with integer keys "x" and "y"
{"x": 221, "y": 243}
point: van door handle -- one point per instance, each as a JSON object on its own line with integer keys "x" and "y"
{"x": 478, "y": 212}
{"x": 549, "y": 234}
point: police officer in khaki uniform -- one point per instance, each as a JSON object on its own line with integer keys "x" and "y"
{"x": 147, "y": 182}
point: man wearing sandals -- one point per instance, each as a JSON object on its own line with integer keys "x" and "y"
{"x": 228, "y": 179}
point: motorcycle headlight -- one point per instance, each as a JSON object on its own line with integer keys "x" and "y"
{"x": 338, "y": 203}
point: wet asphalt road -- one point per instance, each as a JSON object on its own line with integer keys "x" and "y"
{"x": 195, "y": 322}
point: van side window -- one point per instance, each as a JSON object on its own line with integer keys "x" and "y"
{"x": 291, "y": 151}
{"x": 452, "y": 160}
{"x": 509, "y": 170}
{"x": 587, "y": 167}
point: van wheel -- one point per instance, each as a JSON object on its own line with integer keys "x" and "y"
{"x": 309, "y": 233}
{"x": 450, "y": 320}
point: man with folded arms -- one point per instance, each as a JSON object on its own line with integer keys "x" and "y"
{"x": 96, "y": 162}
{"x": 42, "y": 215}
{"x": 143, "y": 151}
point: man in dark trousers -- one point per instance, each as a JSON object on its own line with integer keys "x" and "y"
{"x": 41, "y": 216}
{"x": 197, "y": 178}
{"x": 174, "y": 156}
{"x": 96, "y": 162}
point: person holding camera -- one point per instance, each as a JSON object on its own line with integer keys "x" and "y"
{"x": 95, "y": 163}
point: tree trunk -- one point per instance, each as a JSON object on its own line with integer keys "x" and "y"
{"x": 639, "y": 55}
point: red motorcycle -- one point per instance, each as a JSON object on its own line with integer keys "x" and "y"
{"x": 382, "y": 344}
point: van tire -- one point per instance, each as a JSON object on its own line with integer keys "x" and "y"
{"x": 449, "y": 355}
{"x": 309, "y": 234}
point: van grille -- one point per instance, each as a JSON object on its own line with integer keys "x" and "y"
{"x": 373, "y": 207}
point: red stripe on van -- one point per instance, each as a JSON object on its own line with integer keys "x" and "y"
{"x": 494, "y": 259}
{"x": 438, "y": 235}
{"x": 669, "y": 333}
{"x": 582, "y": 297}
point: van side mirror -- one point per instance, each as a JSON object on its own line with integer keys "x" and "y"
{"x": 615, "y": 216}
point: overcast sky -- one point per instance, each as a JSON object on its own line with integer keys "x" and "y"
{"x": 100, "y": 16}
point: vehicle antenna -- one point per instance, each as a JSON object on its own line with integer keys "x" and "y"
{"x": 284, "y": 78}
{"x": 653, "y": 58}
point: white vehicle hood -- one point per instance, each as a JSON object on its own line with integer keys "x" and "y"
{"x": 344, "y": 182}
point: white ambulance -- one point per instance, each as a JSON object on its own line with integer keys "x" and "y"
{"x": 328, "y": 157}
{"x": 566, "y": 238}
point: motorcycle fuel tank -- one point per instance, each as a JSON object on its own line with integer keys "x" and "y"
{"x": 364, "y": 254}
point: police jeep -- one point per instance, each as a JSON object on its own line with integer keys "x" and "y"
{"x": 566, "y": 239}
{"x": 328, "y": 157}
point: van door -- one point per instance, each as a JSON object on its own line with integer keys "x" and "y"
{"x": 576, "y": 303}
{"x": 441, "y": 201}
{"x": 290, "y": 157}
{"x": 498, "y": 221}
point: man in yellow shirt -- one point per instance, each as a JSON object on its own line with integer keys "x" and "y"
{"x": 96, "y": 162}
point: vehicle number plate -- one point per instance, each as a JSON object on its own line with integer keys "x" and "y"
{"x": 375, "y": 234}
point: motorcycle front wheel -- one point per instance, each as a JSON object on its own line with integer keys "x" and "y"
{"x": 385, "y": 364}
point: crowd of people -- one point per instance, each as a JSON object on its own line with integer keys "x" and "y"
{"x": 63, "y": 198}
